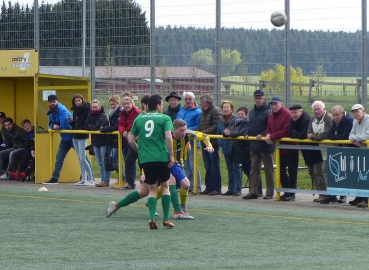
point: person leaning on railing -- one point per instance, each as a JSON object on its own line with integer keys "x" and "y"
{"x": 340, "y": 130}
{"x": 359, "y": 133}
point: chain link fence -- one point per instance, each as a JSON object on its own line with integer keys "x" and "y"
{"x": 224, "y": 48}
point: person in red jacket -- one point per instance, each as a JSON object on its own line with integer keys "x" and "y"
{"x": 278, "y": 127}
{"x": 127, "y": 117}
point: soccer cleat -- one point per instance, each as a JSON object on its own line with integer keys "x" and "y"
{"x": 182, "y": 215}
{"x": 21, "y": 176}
{"x": 112, "y": 208}
{"x": 168, "y": 224}
{"x": 80, "y": 182}
{"x": 13, "y": 175}
{"x": 153, "y": 224}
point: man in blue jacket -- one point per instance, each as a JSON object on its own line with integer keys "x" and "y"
{"x": 190, "y": 113}
{"x": 340, "y": 130}
{"x": 58, "y": 120}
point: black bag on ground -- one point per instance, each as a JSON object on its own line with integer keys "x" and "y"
{"x": 90, "y": 149}
{"x": 109, "y": 162}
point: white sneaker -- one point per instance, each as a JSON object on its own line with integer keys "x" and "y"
{"x": 89, "y": 183}
{"x": 80, "y": 182}
{"x": 112, "y": 208}
{"x": 182, "y": 215}
{"x": 4, "y": 176}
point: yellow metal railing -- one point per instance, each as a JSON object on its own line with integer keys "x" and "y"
{"x": 277, "y": 157}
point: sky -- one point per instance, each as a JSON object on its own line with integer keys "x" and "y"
{"x": 327, "y": 15}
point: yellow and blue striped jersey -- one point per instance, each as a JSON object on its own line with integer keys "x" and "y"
{"x": 180, "y": 145}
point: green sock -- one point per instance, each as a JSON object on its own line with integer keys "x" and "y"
{"x": 174, "y": 198}
{"x": 165, "y": 202}
{"x": 151, "y": 202}
{"x": 130, "y": 198}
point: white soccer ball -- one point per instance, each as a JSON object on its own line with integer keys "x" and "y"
{"x": 278, "y": 18}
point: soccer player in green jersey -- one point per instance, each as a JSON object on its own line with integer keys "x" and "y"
{"x": 153, "y": 131}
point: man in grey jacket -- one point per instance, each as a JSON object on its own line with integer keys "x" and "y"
{"x": 209, "y": 119}
{"x": 359, "y": 133}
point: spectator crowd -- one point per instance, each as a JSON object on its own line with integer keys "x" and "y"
{"x": 267, "y": 121}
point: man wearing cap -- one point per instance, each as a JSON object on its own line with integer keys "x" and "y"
{"x": 209, "y": 119}
{"x": 359, "y": 133}
{"x": 58, "y": 120}
{"x": 299, "y": 124}
{"x": 277, "y": 128}
{"x": 261, "y": 151}
{"x": 190, "y": 112}
{"x": 318, "y": 130}
{"x": 174, "y": 106}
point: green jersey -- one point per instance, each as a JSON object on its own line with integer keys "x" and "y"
{"x": 150, "y": 128}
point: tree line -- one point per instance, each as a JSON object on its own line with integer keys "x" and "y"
{"x": 121, "y": 25}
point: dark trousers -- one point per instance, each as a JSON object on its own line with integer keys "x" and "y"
{"x": 289, "y": 163}
{"x": 130, "y": 164}
{"x": 213, "y": 179}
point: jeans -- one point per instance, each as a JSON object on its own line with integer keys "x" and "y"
{"x": 290, "y": 161}
{"x": 4, "y": 154}
{"x": 16, "y": 153}
{"x": 234, "y": 175}
{"x": 64, "y": 147}
{"x": 80, "y": 147}
{"x": 213, "y": 180}
{"x": 100, "y": 154}
{"x": 115, "y": 158}
{"x": 189, "y": 168}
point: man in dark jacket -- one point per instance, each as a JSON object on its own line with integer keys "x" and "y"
{"x": 59, "y": 120}
{"x": 5, "y": 140}
{"x": 209, "y": 119}
{"x": 260, "y": 150}
{"x": 174, "y": 106}
{"x": 20, "y": 140}
{"x": 340, "y": 130}
{"x": 299, "y": 124}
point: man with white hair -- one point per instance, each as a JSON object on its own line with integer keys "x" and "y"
{"x": 318, "y": 130}
{"x": 190, "y": 113}
{"x": 359, "y": 133}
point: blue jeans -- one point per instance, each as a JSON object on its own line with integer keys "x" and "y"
{"x": 4, "y": 154}
{"x": 115, "y": 157}
{"x": 234, "y": 175}
{"x": 63, "y": 150}
{"x": 189, "y": 168}
{"x": 80, "y": 147}
{"x": 100, "y": 154}
{"x": 213, "y": 180}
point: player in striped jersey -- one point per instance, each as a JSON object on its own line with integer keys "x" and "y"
{"x": 181, "y": 138}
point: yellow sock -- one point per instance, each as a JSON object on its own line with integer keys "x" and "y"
{"x": 183, "y": 194}
{"x": 158, "y": 195}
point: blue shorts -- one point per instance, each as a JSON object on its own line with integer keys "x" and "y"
{"x": 177, "y": 172}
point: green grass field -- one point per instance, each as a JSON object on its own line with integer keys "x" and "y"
{"x": 67, "y": 229}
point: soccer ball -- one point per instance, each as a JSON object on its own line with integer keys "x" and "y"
{"x": 278, "y": 18}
